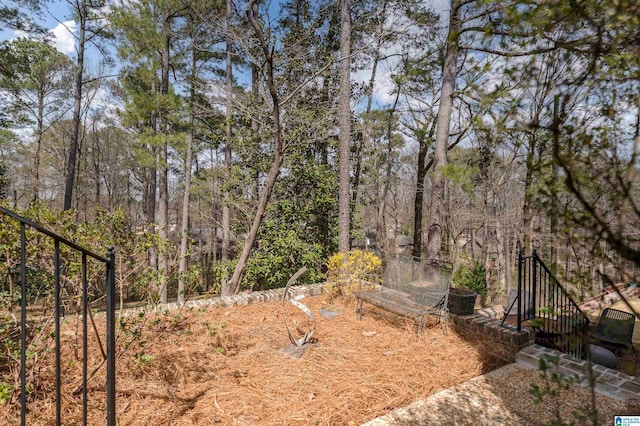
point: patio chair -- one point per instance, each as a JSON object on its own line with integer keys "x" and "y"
{"x": 615, "y": 328}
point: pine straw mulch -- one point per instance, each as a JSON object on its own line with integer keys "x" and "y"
{"x": 227, "y": 366}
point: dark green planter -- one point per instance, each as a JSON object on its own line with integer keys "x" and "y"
{"x": 461, "y": 301}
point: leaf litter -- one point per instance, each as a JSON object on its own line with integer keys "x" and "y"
{"x": 227, "y": 366}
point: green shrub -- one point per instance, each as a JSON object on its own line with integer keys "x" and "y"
{"x": 285, "y": 243}
{"x": 472, "y": 278}
{"x": 220, "y": 273}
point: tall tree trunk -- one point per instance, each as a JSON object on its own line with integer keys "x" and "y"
{"x": 163, "y": 208}
{"x": 418, "y": 203}
{"x": 381, "y": 226}
{"x": 484, "y": 249}
{"x": 554, "y": 197}
{"x": 443, "y": 123}
{"x": 473, "y": 244}
{"x": 150, "y": 205}
{"x": 36, "y": 160}
{"x": 77, "y": 104}
{"x": 366, "y": 125}
{"x": 255, "y": 125}
{"x": 95, "y": 156}
{"x": 163, "y": 215}
{"x": 512, "y": 258}
{"x": 184, "y": 229}
{"x": 527, "y": 210}
{"x": 345, "y": 127}
{"x": 214, "y": 243}
{"x": 324, "y": 216}
{"x": 502, "y": 256}
{"x": 226, "y": 223}
{"x": 82, "y": 180}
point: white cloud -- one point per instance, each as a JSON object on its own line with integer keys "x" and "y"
{"x": 63, "y": 37}
{"x": 383, "y": 86}
{"x": 20, "y": 34}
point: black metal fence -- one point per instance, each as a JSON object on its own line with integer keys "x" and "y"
{"x": 545, "y": 305}
{"x": 34, "y": 247}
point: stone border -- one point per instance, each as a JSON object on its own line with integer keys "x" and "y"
{"x": 274, "y": 295}
{"x": 609, "y": 382}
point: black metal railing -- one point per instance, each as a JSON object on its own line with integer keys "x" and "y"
{"x": 66, "y": 259}
{"x": 544, "y": 304}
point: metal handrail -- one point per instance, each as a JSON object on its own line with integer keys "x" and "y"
{"x": 557, "y": 318}
{"x": 53, "y": 235}
{"x": 109, "y": 264}
{"x": 557, "y": 282}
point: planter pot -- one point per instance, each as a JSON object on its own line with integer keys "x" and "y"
{"x": 461, "y": 301}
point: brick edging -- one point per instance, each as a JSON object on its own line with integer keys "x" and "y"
{"x": 486, "y": 325}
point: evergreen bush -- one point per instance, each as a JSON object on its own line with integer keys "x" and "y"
{"x": 471, "y": 278}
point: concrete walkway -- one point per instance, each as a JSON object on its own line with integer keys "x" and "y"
{"x": 612, "y": 383}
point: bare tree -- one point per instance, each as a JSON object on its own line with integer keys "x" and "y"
{"x": 87, "y": 13}
{"x": 233, "y": 285}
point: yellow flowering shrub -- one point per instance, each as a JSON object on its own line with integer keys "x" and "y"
{"x": 360, "y": 270}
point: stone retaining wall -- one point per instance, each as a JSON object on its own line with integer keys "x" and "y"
{"x": 609, "y": 382}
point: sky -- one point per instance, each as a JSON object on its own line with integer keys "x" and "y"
{"x": 57, "y": 14}
{"x": 56, "y": 19}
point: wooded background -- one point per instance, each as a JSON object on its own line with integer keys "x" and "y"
{"x": 222, "y": 145}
